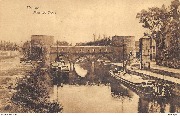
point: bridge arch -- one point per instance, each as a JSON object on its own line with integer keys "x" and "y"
{"x": 73, "y": 53}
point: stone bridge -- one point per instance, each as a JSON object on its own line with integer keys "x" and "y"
{"x": 118, "y": 50}
{"x": 73, "y": 53}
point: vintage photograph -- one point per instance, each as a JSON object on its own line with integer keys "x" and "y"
{"x": 90, "y": 56}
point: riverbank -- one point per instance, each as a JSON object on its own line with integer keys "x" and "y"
{"x": 10, "y": 72}
{"x": 25, "y": 88}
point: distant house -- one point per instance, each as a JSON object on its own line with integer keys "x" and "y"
{"x": 144, "y": 50}
{"x": 147, "y": 50}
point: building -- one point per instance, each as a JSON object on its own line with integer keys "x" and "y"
{"x": 125, "y": 46}
{"x": 147, "y": 50}
{"x": 40, "y": 47}
{"x": 43, "y": 40}
{"x": 144, "y": 50}
{"x": 153, "y": 50}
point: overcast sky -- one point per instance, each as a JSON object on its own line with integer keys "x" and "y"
{"x": 74, "y": 21}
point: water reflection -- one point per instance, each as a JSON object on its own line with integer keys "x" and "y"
{"x": 80, "y": 71}
{"x": 158, "y": 106}
{"x": 82, "y": 75}
{"x": 95, "y": 91}
{"x": 93, "y": 99}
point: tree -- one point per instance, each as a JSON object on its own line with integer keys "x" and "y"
{"x": 26, "y": 49}
{"x": 62, "y": 43}
{"x": 164, "y": 25}
{"x": 32, "y": 95}
{"x": 174, "y": 48}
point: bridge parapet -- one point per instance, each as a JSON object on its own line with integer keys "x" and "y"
{"x": 81, "y": 49}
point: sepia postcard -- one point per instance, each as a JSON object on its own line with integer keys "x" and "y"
{"x": 90, "y": 56}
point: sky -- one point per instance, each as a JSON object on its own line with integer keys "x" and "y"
{"x": 72, "y": 20}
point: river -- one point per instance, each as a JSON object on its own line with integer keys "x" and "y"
{"x": 96, "y": 93}
{"x": 94, "y": 99}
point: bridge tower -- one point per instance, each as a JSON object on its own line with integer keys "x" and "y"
{"x": 44, "y": 42}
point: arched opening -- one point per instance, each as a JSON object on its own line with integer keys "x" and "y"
{"x": 100, "y": 50}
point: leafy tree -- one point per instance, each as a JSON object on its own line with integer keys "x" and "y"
{"x": 174, "y": 48}
{"x": 26, "y": 49}
{"x": 62, "y": 43}
{"x": 10, "y": 46}
{"x": 32, "y": 95}
{"x": 164, "y": 25}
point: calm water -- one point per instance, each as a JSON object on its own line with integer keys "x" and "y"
{"x": 94, "y": 99}
{"x": 100, "y": 93}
